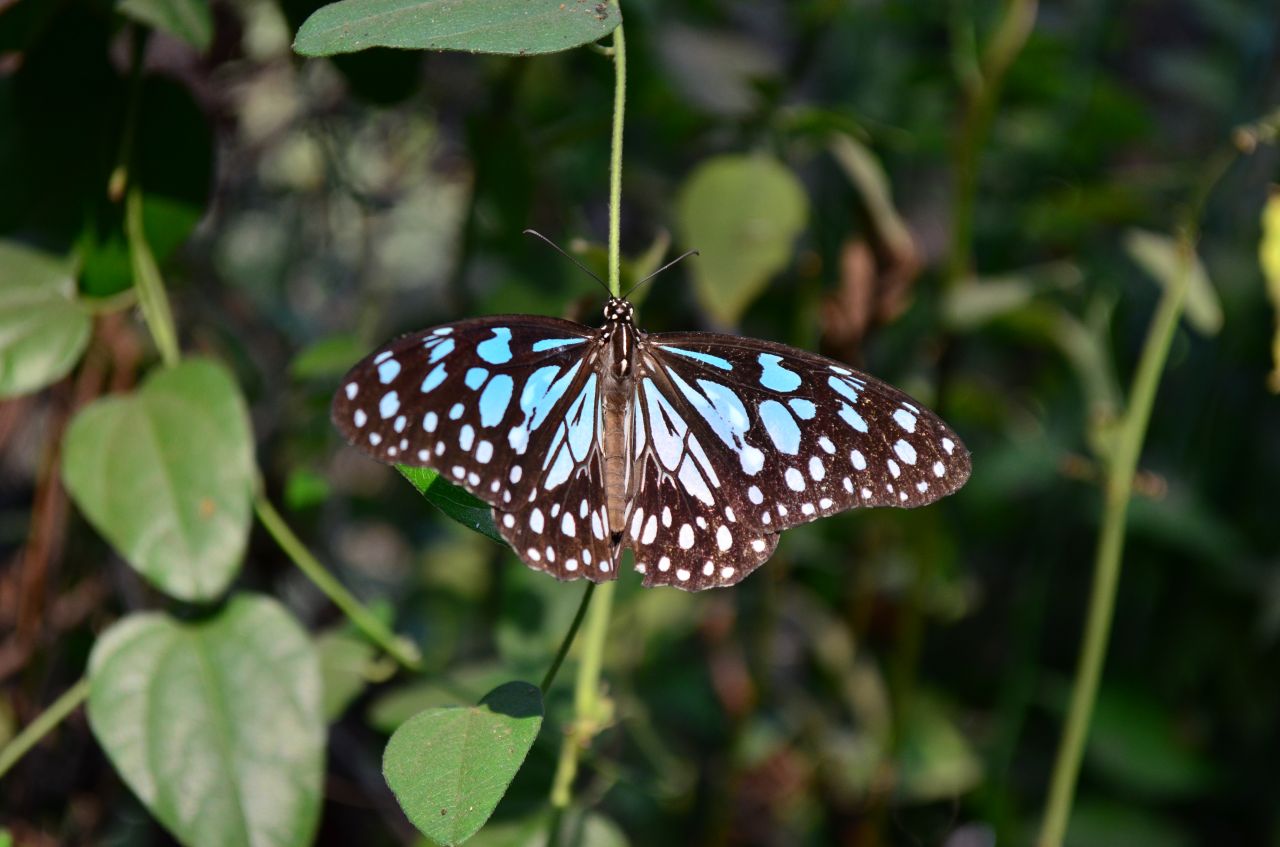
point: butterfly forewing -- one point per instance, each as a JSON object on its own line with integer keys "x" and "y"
{"x": 752, "y": 437}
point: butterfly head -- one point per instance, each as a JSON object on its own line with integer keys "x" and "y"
{"x": 618, "y": 310}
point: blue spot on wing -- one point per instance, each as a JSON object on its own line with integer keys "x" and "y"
{"x": 782, "y": 428}
{"x": 852, "y": 418}
{"x": 803, "y": 408}
{"x": 774, "y": 376}
{"x": 553, "y": 343}
{"x": 494, "y": 400}
{"x": 715, "y": 361}
{"x": 496, "y": 350}
{"x": 843, "y": 388}
{"x": 475, "y": 378}
{"x": 434, "y": 378}
{"x": 441, "y": 350}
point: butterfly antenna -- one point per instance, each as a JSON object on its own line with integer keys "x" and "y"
{"x": 568, "y": 256}
{"x": 677, "y": 259}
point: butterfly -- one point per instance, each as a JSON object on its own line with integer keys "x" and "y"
{"x": 693, "y": 449}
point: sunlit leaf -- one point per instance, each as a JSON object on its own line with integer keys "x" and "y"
{"x": 166, "y": 474}
{"x": 512, "y": 27}
{"x": 216, "y": 725}
{"x": 743, "y": 213}
{"x": 455, "y": 502}
{"x": 189, "y": 20}
{"x": 449, "y": 767}
{"x": 1163, "y": 259}
{"x": 43, "y": 332}
{"x": 1269, "y": 256}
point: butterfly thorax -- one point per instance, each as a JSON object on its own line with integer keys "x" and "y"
{"x": 617, "y": 338}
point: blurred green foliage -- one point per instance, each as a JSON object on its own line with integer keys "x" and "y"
{"x": 889, "y": 677}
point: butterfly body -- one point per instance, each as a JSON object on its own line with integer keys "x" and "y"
{"x": 692, "y": 449}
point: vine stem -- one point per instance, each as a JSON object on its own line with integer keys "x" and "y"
{"x": 401, "y": 649}
{"x": 588, "y": 717}
{"x": 1122, "y": 464}
{"x": 43, "y": 724}
{"x": 982, "y": 86}
{"x": 148, "y": 283}
{"x": 615, "y": 162}
{"x": 567, "y": 642}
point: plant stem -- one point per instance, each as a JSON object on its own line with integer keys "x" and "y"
{"x": 568, "y": 640}
{"x": 401, "y": 649}
{"x": 586, "y": 697}
{"x": 588, "y": 718}
{"x": 615, "y": 162}
{"x": 983, "y": 91}
{"x": 43, "y": 724}
{"x": 1122, "y": 464}
{"x": 148, "y": 283}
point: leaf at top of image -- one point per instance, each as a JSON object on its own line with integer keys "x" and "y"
{"x": 43, "y": 331}
{"x": 166, "y": 474}
{"x": 743, "y": 213}
{"x": 508, "y": 27}
{"x": 215, "y": 725}
{"x": 449, "y": 767}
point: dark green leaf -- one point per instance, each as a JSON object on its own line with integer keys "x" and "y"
{"x": 743, "y": 213}
{"x": 512, "y": 27}
{"x": 217, "y": 725}
{"x": 449, "y": 767}
{"x": 166, "y": 474}
{"x": 43, "y": 332}
{"x": 455, "y": 502}
{"x": 189, "y": 20}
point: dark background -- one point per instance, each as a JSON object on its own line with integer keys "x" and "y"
{"x": 889, "y": 677}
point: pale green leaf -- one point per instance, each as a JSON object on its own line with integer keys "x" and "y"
{"x": 43, "y": 332}
{"x": 189, "y": 20}
{"x": 863, "y": 169}
{"x": 1164, "y": 261}
{"x": 743, "y": 213}
{"x": 455, "y": 502}
{"x": 511, "y": 27}
{"x": 216, "y": 725}
{"x": 449, "y": 767}
{"x": 166, "y": 474}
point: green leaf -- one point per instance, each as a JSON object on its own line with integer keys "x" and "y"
{"x": 460, "y": 685}
{"x": 188, "y": 20}
{"x": 743, "y": 213}
{"x": 166, "y": 474}
{"x": 1269, "y": 257}
{"x": 43, "y": 332}
{"x": 1098, "y": 822}
{"x": 328, "y": 357}
{"x": 455, "y": 502}
{"x": 577, "y": 828}
{"x": 216, "y": 725}
{"x": 1163, "y": 260}
{"x": 449, "y": 767}
{"x": 345, "y": 663}
{"x": 511, "y": 27}
{"x": 868, "y": 177}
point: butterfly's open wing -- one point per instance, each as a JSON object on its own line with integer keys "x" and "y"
{"x": 506, "y": 408}
{"x": 754, "y": 437}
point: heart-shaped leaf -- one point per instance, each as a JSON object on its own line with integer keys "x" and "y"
{"x": 43, "y": 331}
{"x": 216, "y": 725}
{"x": 166, "y": 474}
{"x": 458, "y": 503}
{"x": 743, "y": 213}
{"x": 512, "y": 27}
{"x": 450, "y": 767}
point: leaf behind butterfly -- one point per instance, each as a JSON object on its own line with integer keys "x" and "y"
{"x": 455, "y": 502}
